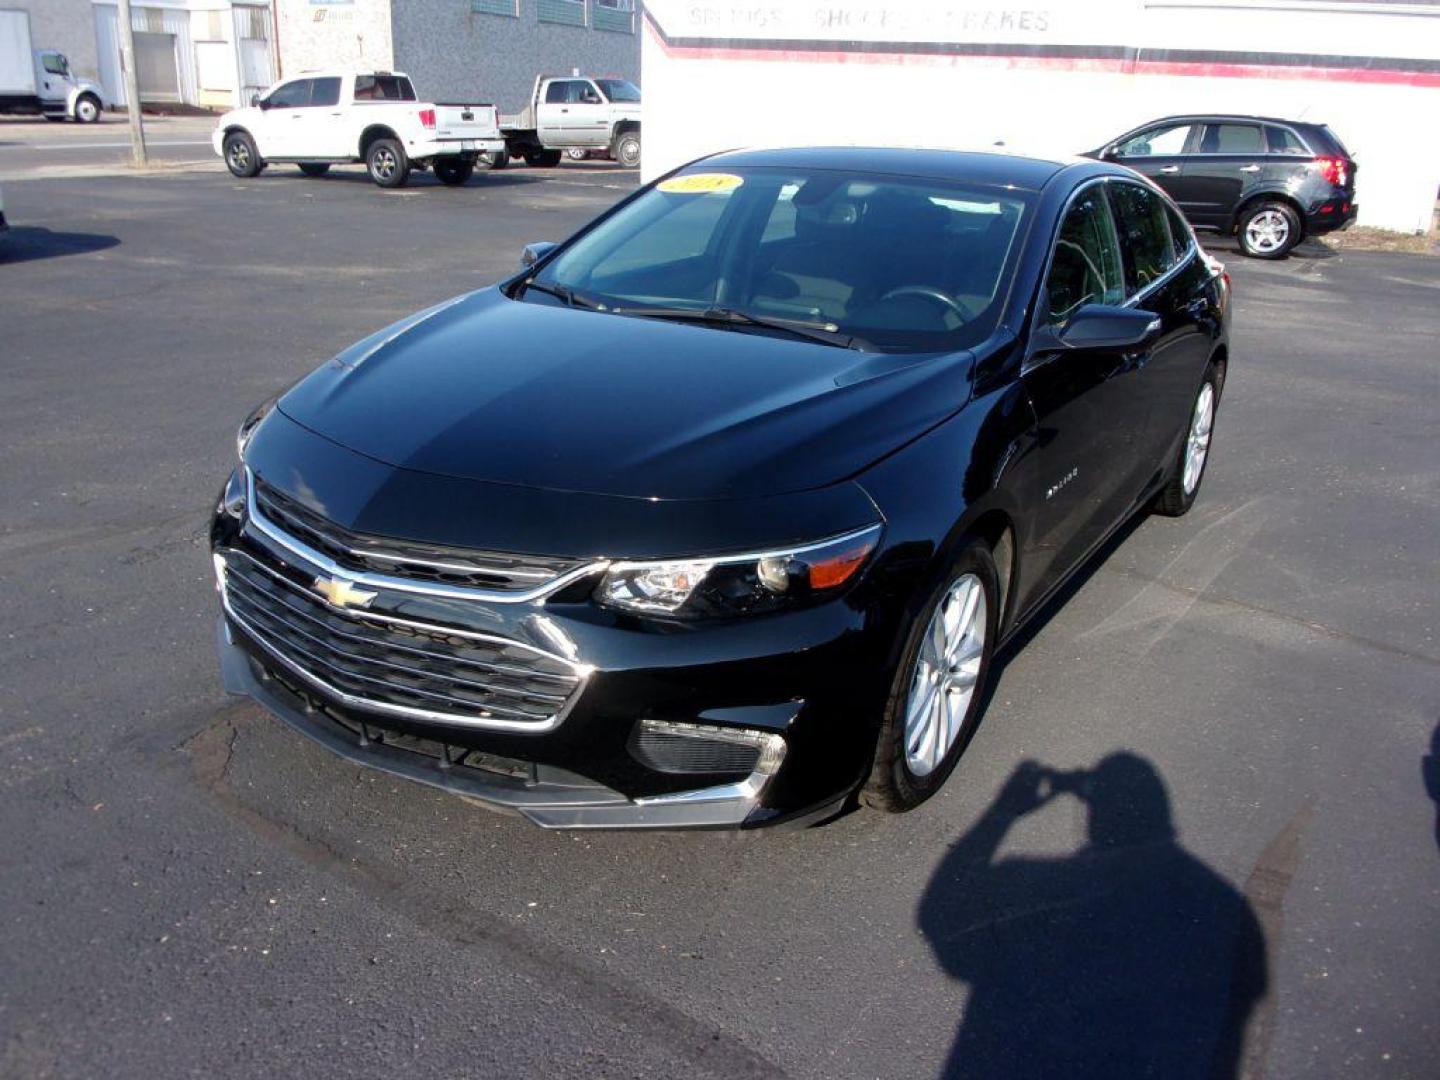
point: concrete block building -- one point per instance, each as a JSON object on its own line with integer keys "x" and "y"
{"x": 463, "y": 50}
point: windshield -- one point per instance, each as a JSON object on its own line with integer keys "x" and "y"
{"x": 903, "y": 264}
{"x": 619, "y": 90}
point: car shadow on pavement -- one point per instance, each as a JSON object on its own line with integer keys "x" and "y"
{"x": 1128, "y": 957}
{"x": 1430, "y": 770}
{"x": 500, "y": 178}
{"x": 25, "y": 243}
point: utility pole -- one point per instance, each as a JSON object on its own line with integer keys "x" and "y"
{"x": 132, "y": 87}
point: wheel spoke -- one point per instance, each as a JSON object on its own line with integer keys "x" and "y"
{"x": 946, "y": 672}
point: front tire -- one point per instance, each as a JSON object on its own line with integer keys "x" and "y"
{"x": 453, "y": 172}
{"x": 627, "y": 149}
{"x": 386, "y": 163}
{"x": 1188, "y": 469}
{"x": 241, "y": 157}
{"x": 87, "y": 109}
{"x": 314, "y": 168}
{"x": 1268, "y": 230}
{"x": 939, "y": 686}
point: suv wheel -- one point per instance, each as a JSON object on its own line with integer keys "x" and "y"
{"x": 387, "y": 164}
{"x": 1268, "y": 230}
{"x": 241, "y": 157}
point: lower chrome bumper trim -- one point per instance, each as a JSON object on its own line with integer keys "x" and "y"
{"x": 555, "y": 800}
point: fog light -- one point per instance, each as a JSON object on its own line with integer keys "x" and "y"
{"x": 681, "y": 749}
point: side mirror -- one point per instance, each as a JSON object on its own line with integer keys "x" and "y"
{"x": 533, "y": 253}
{"x": 1100, "y": 326}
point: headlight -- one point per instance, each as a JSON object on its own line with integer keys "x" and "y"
{"x": 736, "y": 584}
{"x": 250, "y": 423}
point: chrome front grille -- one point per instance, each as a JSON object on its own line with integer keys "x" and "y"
{"x": 422, "y": 563}
{"x": 396, "y": 666}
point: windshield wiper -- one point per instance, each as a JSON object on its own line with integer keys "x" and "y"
{"x": 563, "y": 292}
{"x": 826, "y": 333}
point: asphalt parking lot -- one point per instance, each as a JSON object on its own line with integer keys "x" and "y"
{"x": 188, "y": 889}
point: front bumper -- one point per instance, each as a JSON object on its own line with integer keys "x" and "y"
{"x": 550, "y": 797}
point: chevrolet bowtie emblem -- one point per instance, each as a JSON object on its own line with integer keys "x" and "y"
{"x": 341, "y": 593}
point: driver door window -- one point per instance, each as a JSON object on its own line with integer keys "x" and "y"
{"x": 1086, "y": 266}
{"x": 1157, "y": 142}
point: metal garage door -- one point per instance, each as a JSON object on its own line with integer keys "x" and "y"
{"x": 156, "y": 69}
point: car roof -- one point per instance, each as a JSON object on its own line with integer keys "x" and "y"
{"x": 994, "y": 169}
{"x": 1244, "y": 117}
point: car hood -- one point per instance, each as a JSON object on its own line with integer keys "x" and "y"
{"x": 488, "y": 388}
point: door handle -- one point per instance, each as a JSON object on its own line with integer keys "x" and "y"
{"x": 1249, "y": 168}
{"x": 1170, "y": 170}
{"x": 564, "y": 110}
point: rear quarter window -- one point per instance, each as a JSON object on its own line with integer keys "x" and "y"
{"x": 1284, "y": 141}
{"x": 1142, "y": 220}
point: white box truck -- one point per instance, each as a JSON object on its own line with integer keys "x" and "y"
{"x": 38, "y": 82}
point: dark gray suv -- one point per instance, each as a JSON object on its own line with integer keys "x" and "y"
{"x": 1269, "y": 182}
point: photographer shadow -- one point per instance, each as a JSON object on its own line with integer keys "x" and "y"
{"x": 1129, "y": 957}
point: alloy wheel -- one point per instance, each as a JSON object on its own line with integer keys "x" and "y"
{"x": 1267, "y": 231}
{"x": 239, "y": 154}
{"x": 384, "y": 163}
{"x": 947, "y": 670}
{"x": 1197, "y": 443}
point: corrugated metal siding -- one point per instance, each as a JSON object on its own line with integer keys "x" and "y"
{"x": 146, "y": 20}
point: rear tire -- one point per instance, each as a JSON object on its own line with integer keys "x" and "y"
{"x": 945, "y": 662}
{"x": 386, "y": 163}
{"x": 1188, "y": 469}
{"x": 87, "y": 109}
{"x": 314, "y": 168}
{"x": 1268, "y": 229}
{"x": 627, "y": 149}
{"x": 543, "y": 159}
{"x": 241, "y": 157}
{"x": 453, "y": 172}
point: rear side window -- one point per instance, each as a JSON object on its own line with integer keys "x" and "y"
{"x": 1144, "y": 229}
{"x": 1284, "y": 141}
{"x": 1231, "y": 139}
{"x": 326, "y": 91}
{"x": 383, "y": 88}
{"x": 1085, "y": 268}
{"x": 1179, "y": 232}
{"x": 1157, "y": 142}
{"x": 559, "y": 92}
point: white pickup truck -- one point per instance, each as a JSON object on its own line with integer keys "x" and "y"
{"x": 329, "y": 118}
{"x": 571, "y": 113}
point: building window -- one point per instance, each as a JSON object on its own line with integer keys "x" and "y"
{"x": 617, "y": 15}
{"x": 497, "y": 7}
{"x": 565, "y": 12}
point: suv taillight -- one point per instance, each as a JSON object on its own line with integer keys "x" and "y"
{"x": 427, "y": 118}
{"x": 1333, "y": 169}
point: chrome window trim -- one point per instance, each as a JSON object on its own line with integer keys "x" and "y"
{"x": 263, "y": 525}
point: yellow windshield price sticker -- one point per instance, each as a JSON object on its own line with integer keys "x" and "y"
{"x": 705, "y": 183}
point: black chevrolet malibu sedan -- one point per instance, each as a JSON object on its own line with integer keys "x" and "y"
{"x": 716, "y": 513}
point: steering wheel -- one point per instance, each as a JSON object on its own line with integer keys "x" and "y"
{"x": 929, "y": 293}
